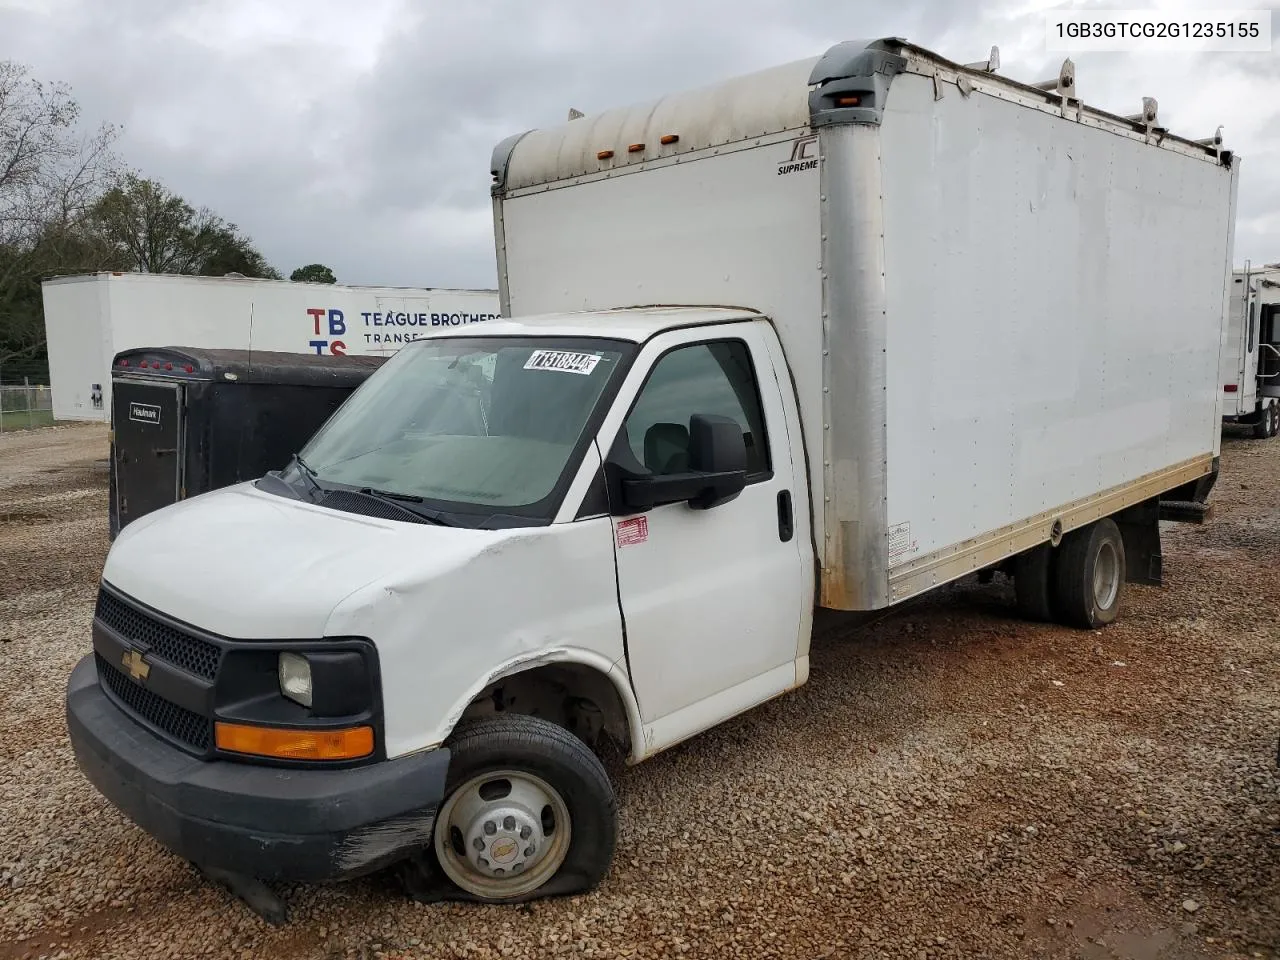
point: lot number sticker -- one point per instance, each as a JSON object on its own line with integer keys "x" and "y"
{"x": 633, "y": 531}
{"x": 562, "y": 361}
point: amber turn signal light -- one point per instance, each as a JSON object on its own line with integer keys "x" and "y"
{"x": 350, "y": 743}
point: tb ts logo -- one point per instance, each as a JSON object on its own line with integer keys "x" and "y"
{"x": 337, "y": 327}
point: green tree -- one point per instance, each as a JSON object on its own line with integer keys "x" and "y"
{"x": 313, "y": 273}
{"x": 156, "y": 231}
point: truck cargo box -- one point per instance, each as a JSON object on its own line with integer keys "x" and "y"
{"x": 186, "y": 421}
{"x": 1003, "y": 309}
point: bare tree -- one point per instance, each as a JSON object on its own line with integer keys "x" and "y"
{"x": 51, "y": 174}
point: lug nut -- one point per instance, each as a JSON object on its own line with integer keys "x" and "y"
{"x": 490, "y": 827}
{"x": 528, "y": 851}
{"x": 509, "y": 823}
{"x": 525, "y": 832}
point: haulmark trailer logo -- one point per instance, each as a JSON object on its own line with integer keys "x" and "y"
{"x": 804, "y": 156}
{"x": 144, "y": 413}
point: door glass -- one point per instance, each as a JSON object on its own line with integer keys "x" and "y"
{"x": 709, "y": 378}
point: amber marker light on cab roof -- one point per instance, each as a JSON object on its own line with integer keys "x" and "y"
{"x": 350, "y": 743}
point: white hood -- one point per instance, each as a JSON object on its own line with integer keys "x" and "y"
{"x": 255, "y": 566}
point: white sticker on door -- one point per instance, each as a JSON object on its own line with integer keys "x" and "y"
{"x": 562, "y": 361}
{"x": 900, "y": 542}
{"x": 633, "y": 531}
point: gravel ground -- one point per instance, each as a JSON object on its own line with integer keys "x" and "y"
{"x": 950, "y": 783}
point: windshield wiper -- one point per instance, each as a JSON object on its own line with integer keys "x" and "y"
{"x": 432, "y": 516}
{"x": 391, "y": 495}
{"x": 308, "y": 474}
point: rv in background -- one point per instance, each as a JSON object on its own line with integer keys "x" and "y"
{"x": 1250, "y": 363}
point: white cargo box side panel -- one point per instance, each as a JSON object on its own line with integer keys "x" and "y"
{"x": 1055, "y": 299}
{"x": 731, "y": 229}
{"x": 78, "y": 339}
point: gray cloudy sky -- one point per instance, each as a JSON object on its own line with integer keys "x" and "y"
{"x": 357, "y": 133}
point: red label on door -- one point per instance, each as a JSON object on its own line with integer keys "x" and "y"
{"x": 635, "y": 530}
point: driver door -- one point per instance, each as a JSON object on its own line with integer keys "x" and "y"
{"x": 714, "y": 600}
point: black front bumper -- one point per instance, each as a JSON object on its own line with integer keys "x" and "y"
{"x": 265, "y": 822}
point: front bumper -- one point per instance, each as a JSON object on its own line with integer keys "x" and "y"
{"x": 265, "y": 822}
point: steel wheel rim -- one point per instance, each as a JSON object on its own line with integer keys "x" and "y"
{"x": 496, "y": 828}
{"x": 1106, "y": 576}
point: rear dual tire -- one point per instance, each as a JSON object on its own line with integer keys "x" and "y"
{"x": 1078, "y": 584}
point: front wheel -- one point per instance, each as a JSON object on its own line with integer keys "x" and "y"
{"x": 528, "y": 812}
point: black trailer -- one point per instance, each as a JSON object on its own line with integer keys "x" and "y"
{"x": 186, "y": 421}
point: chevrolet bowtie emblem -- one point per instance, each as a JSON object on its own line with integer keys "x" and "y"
{"x": 136, "y": 666}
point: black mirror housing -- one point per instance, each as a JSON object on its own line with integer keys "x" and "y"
{"x": 718, "y": 449}
{"x": 717, "y": 470}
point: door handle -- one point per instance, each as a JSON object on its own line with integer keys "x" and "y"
{"x": 786, "y": 521}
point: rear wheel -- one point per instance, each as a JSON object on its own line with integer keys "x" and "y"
{"x": 1088, "y": 576}
{"x": 1268, "y": 424}
{"x": 528, "y": 812}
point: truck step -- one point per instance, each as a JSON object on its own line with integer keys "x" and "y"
{"x": 1185, "y": 511}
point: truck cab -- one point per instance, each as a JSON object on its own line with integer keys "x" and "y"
{"x": 422, "y": 565}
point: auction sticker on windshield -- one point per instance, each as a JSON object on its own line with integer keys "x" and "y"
{"x": 563, "y": 361}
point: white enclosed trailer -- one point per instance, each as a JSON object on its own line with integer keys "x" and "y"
{"x": 1250, "y": 363}
{"x": 92, "y": 317}
{"x": 839, "y": 331}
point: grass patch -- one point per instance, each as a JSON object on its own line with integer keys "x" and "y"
{"x": 25, "y": 420}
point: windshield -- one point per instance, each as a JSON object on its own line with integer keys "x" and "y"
{"x": 469, "y": 424}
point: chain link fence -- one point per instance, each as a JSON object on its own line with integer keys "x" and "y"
{"x": 25, "y": 406}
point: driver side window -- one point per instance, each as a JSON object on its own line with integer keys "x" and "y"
{"x": 701, "y": 378}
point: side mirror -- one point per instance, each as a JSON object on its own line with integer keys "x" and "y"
{"x": 717, "y": 469}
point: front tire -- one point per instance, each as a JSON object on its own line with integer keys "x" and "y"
{"x": 528, "y": 812}
{"x": 1089, "y": 575}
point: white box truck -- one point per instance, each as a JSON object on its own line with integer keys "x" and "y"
{"x": 835, "y": 332}
{"x": 90, "y": 318}
{"x": 1250, "y": 364}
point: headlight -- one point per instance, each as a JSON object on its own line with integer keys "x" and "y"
{"x": 295, "y": 678}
